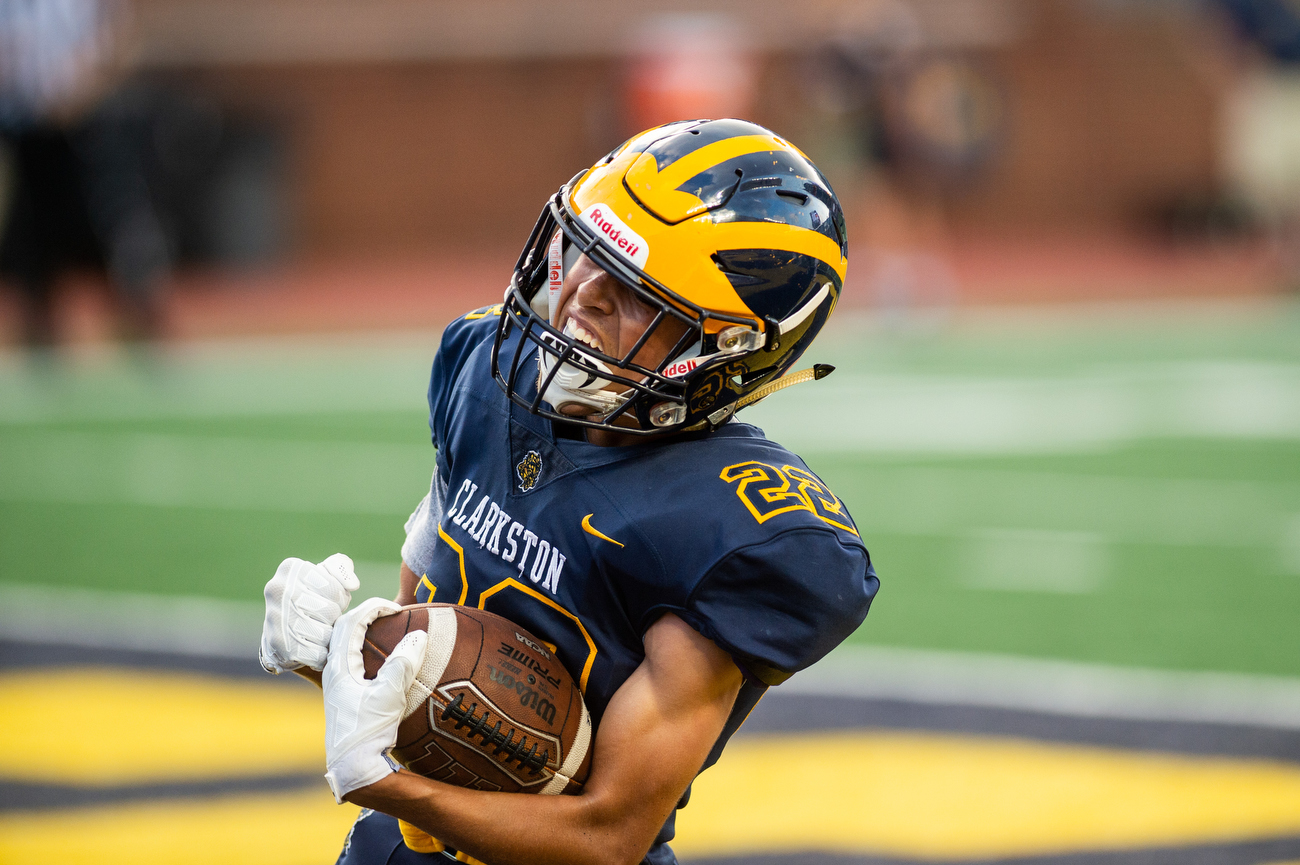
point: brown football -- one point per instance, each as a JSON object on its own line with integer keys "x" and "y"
{"x": 491, "y": 708}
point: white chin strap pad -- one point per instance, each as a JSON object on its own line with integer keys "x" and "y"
{"x": 577, "y": 386}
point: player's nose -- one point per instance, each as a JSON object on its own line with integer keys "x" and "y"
{"x": 599, "y": 292}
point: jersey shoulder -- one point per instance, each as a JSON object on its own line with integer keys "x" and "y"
{"x": 461, "y": 340}
{"x": 467, "y": 333}
{"x": 746, "y": 475}
{"x": 772, "y": 564}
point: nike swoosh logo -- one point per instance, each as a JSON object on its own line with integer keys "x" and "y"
{"x": 586, "y": 527}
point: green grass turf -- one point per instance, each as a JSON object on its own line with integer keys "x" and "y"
{"x": 1229, "y": 604}
{"x": 181, "y": 551}
{"x": 1188, "y": 537}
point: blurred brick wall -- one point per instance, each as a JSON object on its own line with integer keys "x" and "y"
{"x": 1113, "y": 111}
{"x": 415, "y": 157}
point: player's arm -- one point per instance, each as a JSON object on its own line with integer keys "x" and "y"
{"x": 651, "y": 742}
{"x": 407, "y": 581}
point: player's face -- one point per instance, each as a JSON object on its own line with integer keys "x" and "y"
{"x": 609, "y": 317}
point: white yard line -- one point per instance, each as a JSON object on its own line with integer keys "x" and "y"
{"x": 959, "y": 415}
{"x": 1055, "y": 687}
{"x": 228, "y": 473}
{"x": 374, "y": 478}
{"x": 936, "y": 500}
{"x": 169, "y": 624}
{"x": 92, "y": 618}
{"x": 1093, "y": 406}
{"x": 255, "y": 377}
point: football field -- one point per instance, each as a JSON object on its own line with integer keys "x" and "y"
{"x": 1109, "y": 492}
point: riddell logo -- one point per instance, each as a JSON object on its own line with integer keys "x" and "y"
{"x": 679, "y": 369}
{"x": 603, "y": 220}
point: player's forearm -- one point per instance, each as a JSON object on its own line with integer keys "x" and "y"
{"x": 512, "y": 828}
{"x": 406, "y": 583}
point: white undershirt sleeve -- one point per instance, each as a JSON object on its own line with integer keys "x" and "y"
{"x": 422, "y": 528}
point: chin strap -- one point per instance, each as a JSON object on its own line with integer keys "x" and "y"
{"x": 580, "y": 386}
{"x": 555, "y": 272}
{"x": 819, "y": 371}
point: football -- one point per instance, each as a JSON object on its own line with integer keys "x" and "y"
{"x": 491, "y": 708}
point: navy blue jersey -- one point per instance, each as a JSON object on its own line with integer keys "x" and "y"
{"x": 588, "y": 546}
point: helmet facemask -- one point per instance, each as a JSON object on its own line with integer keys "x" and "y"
{"x": 580, "y": 384}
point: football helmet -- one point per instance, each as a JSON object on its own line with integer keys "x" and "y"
{"x": 720, "y": 225}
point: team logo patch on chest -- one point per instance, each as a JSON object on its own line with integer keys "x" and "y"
{"x": 529, "y": 470}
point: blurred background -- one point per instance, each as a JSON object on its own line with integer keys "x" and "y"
{"x": 1066, "y": 414}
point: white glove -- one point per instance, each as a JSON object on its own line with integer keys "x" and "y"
{"x": 302, "y": 602}
{"x": 361, "y": 716}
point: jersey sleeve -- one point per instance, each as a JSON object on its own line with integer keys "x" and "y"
{"x": 459, "y": 340}
{"x": 781, "y": 605}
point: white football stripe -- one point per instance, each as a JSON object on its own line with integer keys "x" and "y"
{"x": 415, "y": 697}
{"x": 580, "y": 744}
{"x": 442, "y": 641}
{"x": 573, "y": 759}
{"x": 555, "y": 786}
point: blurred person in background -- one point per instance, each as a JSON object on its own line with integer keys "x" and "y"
{"x": 923, "y": 120}
{"x": 77, "y": 192}
{"x": 1263, "y": 129}
{"x": 689, "y": 65}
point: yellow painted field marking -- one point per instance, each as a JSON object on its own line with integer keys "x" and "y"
{"x": 110, "y": 726}
{"x": 295, "y": 829}
{"x": 954, "y": 797}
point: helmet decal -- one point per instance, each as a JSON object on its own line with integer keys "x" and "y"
{"x": 631, "y": 245}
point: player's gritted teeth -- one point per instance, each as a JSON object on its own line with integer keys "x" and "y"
{"x": 581, "y": 334}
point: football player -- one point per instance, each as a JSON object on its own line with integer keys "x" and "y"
{"x": 593, "y": 486}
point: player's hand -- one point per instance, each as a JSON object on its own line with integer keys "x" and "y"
{"x": 302, "y": 603}
{"x": 361, "y": 715}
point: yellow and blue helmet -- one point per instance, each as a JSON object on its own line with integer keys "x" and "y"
{"x": 721, "y": 225}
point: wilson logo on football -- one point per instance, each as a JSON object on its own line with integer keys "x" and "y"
{"x": 602, "y": 219}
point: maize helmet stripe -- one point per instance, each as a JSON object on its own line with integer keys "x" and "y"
{"x": 768, "y": 187}
{"x": 670, "y": 145}
{"x": 661, "y": 190}
{"x": 769, "y": 235}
